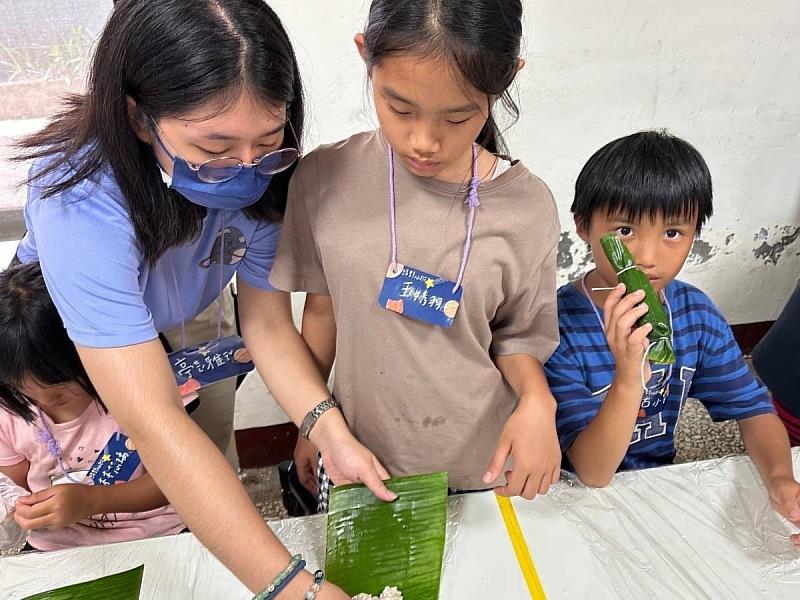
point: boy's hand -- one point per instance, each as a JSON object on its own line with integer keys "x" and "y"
{"x": 305, "y": 461}
{"x": 784, "y": 494}
{"x": 530, "y": 437}
{"x": 627, "y": 342}
{"x": 56, "y": 506}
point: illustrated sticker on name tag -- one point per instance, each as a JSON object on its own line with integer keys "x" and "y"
{"x": 116, "y": 462}
{"x": 420, "y": 295}
{"x": 210, "y": 363}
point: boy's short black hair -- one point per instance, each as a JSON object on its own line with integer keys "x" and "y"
{"x": 33, "y": 341}
{"x": 646, "y": 174}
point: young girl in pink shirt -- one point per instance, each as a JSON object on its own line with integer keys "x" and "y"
{"x": 58, "y": 441}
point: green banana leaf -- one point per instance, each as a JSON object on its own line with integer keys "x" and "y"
{"x": 372, "y": 544}
{"x": 121, "y": 586}
{"x": 628, "y": 273}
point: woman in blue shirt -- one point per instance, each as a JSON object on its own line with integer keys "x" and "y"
{"x": 148, "y": 193}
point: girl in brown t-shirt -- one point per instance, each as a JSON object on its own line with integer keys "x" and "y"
{"x": 429, "y": 258}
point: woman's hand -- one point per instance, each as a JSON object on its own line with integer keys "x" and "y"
{"x": 301, "y": 584}
{"x": 331, "y": 592}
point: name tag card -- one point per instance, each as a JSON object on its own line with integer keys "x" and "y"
{"x": 116, "y": 462}
{"x": 419, "y": 295}
{"x": 210, "y": 363}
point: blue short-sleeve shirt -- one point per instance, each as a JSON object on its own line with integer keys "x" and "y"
{"x": 105, "y": 291}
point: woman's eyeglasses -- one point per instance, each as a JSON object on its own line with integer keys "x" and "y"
{"x": 219, "y": 170}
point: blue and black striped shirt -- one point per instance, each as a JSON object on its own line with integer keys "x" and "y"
{"x": 709, "y": 367}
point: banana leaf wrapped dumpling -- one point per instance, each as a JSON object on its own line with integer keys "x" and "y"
{"x": 661, "y": 350}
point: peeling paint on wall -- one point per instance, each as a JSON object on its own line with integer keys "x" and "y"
{"x": 762, "y": 234}
{"x": 780, "y": 239}
{"x": 565, "y": 243}
{"x": 574, "y": 257}
{"x": 701, "y": 252}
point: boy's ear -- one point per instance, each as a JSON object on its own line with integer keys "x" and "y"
{"x": 581, "y": 229}
{"x": 137, "y": 122}
{"x": 359, "y": 40}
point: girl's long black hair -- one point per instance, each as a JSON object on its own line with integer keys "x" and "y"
{"x": 481, "y": 38}
{"x": 34, "y": 345}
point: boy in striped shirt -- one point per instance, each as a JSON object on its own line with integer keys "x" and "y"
{"x": 654, "y": 191}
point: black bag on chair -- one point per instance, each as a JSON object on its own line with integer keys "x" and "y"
{"x": 297, "y": 500}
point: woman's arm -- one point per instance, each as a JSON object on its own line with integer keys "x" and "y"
{"x": 138, "y": 387}
{"x": 279, "y": 352}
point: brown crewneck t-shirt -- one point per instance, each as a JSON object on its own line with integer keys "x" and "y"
{"x": 421, "y": 397}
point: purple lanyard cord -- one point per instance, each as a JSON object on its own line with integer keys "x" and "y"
{"x": 45, "y": 435}
{"x": 472, "y": 200}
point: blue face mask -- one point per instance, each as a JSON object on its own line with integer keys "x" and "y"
{"x": 243, "y": 190}
{"x": 232, "y": 187}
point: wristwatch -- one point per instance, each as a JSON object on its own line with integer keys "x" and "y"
{"x": 314, "y": 414}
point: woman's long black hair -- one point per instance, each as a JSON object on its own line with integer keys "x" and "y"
{"x": 170, "y": 56}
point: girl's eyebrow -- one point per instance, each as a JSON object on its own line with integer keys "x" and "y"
{"x": 390, "y": 93}
{"x": 471, "y": 107}
{"x": 227, "y": 138}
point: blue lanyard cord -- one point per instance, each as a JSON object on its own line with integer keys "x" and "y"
{"x": 219, "y": 298}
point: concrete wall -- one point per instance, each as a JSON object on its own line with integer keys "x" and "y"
{"x": 722, "y": 73}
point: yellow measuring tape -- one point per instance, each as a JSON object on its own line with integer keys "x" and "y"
{"x": 521, "y": 548}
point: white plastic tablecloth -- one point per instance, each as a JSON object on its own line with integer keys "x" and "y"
{"x": 700, "y": 530}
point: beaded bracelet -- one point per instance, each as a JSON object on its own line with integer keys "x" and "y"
{"x": 311, "y": 594}
{"x": 282, "y": 579}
